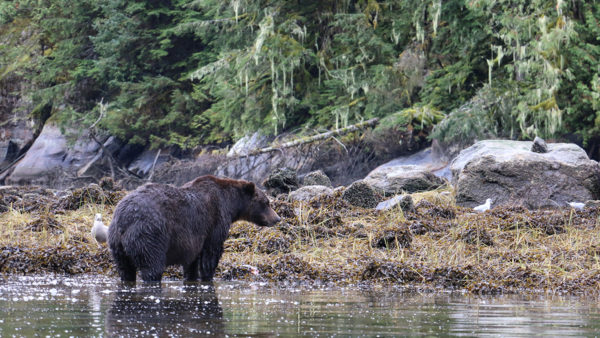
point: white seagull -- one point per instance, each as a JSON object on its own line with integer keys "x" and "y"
{"x": 484, "y": 207}
{"x": 99, "y": 230}
{"x": 577, "y": 205}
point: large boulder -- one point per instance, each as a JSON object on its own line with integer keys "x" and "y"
{"x": 52, "y": 161}
{"x": 418, "y": 172}
{"x": 509, "y": 173}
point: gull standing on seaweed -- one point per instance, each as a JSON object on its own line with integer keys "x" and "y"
{"x": 484, "y": 207}
{"x": 99, "y": 230}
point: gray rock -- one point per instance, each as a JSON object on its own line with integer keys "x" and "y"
{"x": 50, "y": 157}
{"x": 247, "y": 144}
{"x": 282, "y": 181}
{"x": 361, "y": 194}
{"x": 405, "y": 202}
{"x": 308, "y": 192}
{"x": 510, "y": 174}
{"x": 393, "y": 179}
{"x": 539, "y": 146}
{"x": 317, "y": 178}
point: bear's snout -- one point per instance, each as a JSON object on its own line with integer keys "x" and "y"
{"x": 273, "y": 218}
{"x": 276, "y": 219}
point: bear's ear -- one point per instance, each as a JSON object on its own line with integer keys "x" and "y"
{"x": 249, "y": 188}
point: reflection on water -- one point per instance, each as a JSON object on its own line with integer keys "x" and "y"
{"x": 192, "y": 309}
{"x": 98, "y": 306}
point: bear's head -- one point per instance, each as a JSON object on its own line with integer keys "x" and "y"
{"x": 258, "y": 209}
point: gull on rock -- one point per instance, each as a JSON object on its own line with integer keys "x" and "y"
{"x": 577, "y": 205}
{"x": 99, "y": 230}
{"x": 484, "y": 207}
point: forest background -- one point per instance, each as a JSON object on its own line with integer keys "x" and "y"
{"x": 191, "y": 73}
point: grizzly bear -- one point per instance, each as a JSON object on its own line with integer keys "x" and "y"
{"x": 158, "y": 225}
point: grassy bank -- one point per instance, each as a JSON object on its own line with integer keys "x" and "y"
{"x": 438, "y": 246}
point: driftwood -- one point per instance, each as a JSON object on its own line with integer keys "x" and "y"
{"x": 318, "y": 137}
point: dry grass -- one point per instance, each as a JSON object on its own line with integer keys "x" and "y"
{"x": 502, "y": 250}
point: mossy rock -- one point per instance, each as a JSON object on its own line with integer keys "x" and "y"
{"x": 361, "y": 194}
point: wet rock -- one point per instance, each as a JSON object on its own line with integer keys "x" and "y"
{"x": 539, "y": 146}
{"x": 282, "y": 180}
{"x": 308, "y": 192}
{"x": 404, "y": 202}
{"x": 361, "y": 194}
{"x": 510, "y": 174}
{"x": 317, "y": 178}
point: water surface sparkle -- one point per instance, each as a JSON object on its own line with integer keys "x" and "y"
{"x": 62, "y": 306}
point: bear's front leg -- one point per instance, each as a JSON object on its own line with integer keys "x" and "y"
{"x": 190, "y": 272}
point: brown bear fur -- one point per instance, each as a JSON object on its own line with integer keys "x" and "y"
{"x": 158, "y": 225}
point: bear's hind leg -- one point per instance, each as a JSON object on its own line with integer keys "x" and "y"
{"x": 190, "y": 272}
{"x": 153, "y": 273}
{"x": 125, "y": 266}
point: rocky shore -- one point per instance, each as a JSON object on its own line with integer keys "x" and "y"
{"x": 426, "y": 242}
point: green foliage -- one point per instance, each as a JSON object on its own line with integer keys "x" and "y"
{"x": 191, "y": 72}
{"x": 531, "y": 64}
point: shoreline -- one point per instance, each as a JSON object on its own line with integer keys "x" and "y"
{"x": 439, "y": 247}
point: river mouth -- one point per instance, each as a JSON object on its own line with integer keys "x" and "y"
{"x": 90, "y": 305}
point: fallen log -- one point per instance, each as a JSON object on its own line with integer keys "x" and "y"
{"x": 318, "y": 137}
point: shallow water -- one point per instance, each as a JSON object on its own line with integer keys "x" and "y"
{"x": 98, "y": 306}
